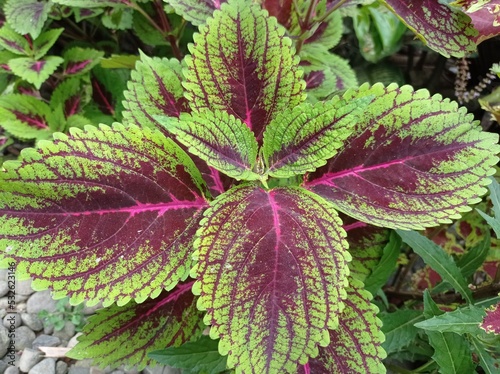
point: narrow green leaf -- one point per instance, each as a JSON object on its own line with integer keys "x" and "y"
{"x": 451, "y": 351}
{"x": 35, "y": 71}
{"x": 439, "y": 260}
{"x": 198, "y": 357}
{"x": 460, "y": 321}
{"x": 218, "y": 138}
{"x": 399, "y": 329}
{"x": 301, "y": 140}
{"x": 386, "y": 266}
{"x": 91, "y": 3}
{"x": 489, "y": 364}
{"x": 494, "y": 222}
{"x": 27, "y": 16}
{"x": 474, "y": 257}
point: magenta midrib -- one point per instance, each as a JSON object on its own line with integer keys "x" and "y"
{"x": 328, "y": 177}
{"x": 141, "y": 208}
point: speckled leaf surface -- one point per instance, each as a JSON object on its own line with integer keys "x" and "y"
{"x": 155, "y": 89}
{"x": 356, "y": 344}
{"x": 243, "y": 64}
{"x": 218, "y": 138}
{"x": 491, "y": 323}
{"x": 413, "y": 161}
{"x": 106, "y": 214}
{"x": 441, "y": 27}
{"x": 485, "y": 16}
{"x": 195, "y": 11}
{"x": 271, "y": 272}
{"x": 35, "y": 71}
{"x": 302, "y": 139}
{"x": 123, "y": 335}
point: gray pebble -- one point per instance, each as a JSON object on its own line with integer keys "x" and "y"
{"x": 41, "y": 301}
{"x": 4, "y": 303}
{"x": 161, "y": 370}
{"x": 96, "y": 370}
{"x": 48, "y": 329}
{"x": 74, "y": 340}
{"x": 21, "y": 306}
{"x": 29, "y": 358}
{"x": 12, "y": 360}
{"x": 24, "y": 337}
{"x": 24, "y": 287}
{"x": 85, "y": 363}
{"x": 61, "y": 367}
{"x": 12, "y": 319}
{"x": 47, "y": 366}
{"x": 4, "y": 288}
{"x": 46, "y": 341}
{"x": 78, "y": 370}
{"x": 4, "y": 341}
{"x": 3, "y": 313}
{"x": 12, "y": 370}
{"x": 32, "y": 321}
{"x": 118, "y": 372}
{"x": 67, "y": 332}
{"x": 3, "y": 274}
{"x": 88, "y": 310}
{"x": 3, "y": 366}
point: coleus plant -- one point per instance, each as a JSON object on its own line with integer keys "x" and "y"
{"x": 215, "y": 203}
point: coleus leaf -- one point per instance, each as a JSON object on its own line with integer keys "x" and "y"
{"x": 86, "y": 13}
{"x": 27, "y": 16}
{"x": 26, "y": 117}
{"x": 155, "y": 89}
{"x": 491, "y": 323}
{"x": 412, "y": 161}
{"x": 220, "y": 139}
{"x": 70, "y": 96}
{"x": 195, "y": 11}
{"x": 200, "y": 356}
{"x": 460, "y": 321}
{"x": 45, "y": 41}
{"x": 243, "y": 64}
{"x": 356, "y": 344}
{"x": 485, "y": 15}
{"x": 109, "y": 213}
{"x": 13, "y": 42}
{"x": 80, "y": 60}
{"x": 35, "y": 71}
{"x": 325, "y": 72}
{"x": 123, "y": 335}
{"x": 441, "y": 27}
{"x": 451, "y": 351}
{"x": 271, "y": 272}
{"x": 302, "y": 139}
{"x": 366, "y": 246}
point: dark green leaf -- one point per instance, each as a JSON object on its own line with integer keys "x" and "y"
{"x": 201, "y": 356}
{"x": 494, "y": 222}
{"x": 399, "y": 328}
{"x": 460, "y": 321}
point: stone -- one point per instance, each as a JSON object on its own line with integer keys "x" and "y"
{"x": 46, "y": 341}
{"x": 4, "y": 303}
{"x": 24, "y": 337}
{"x": 29, "y": 358}
{"x": 11, "y": 370}
{"x": 4, "y": 288}
{"x": 41, "y": 301}
{"x": 67, "y": 332}
{"x": 3, "y": 274}
{"x": 12, "y": 319}
{"x": 46, "y": 366}
{"x": 61, "y": 367}
{"x": 96, "y": 370}
{"x": 4, "y": 341}
{"x": 89, "y": 310}
{"x": 48, "y": 329}
{"x": 78, "y": 370}
{"x": 21, "y": 306}
{"x": 3, "y": 313}
{"x": 32, "y": 321}
{"x": 74, "y": 340}
{"x": 3, "y": 366}
{"x": 117, "y": 372}
{"x": 24, "y": 287}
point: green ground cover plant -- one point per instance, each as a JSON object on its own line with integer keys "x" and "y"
{"x": 238, "y": 201}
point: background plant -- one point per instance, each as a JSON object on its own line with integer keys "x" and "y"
{"x": 86, "y": 215}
